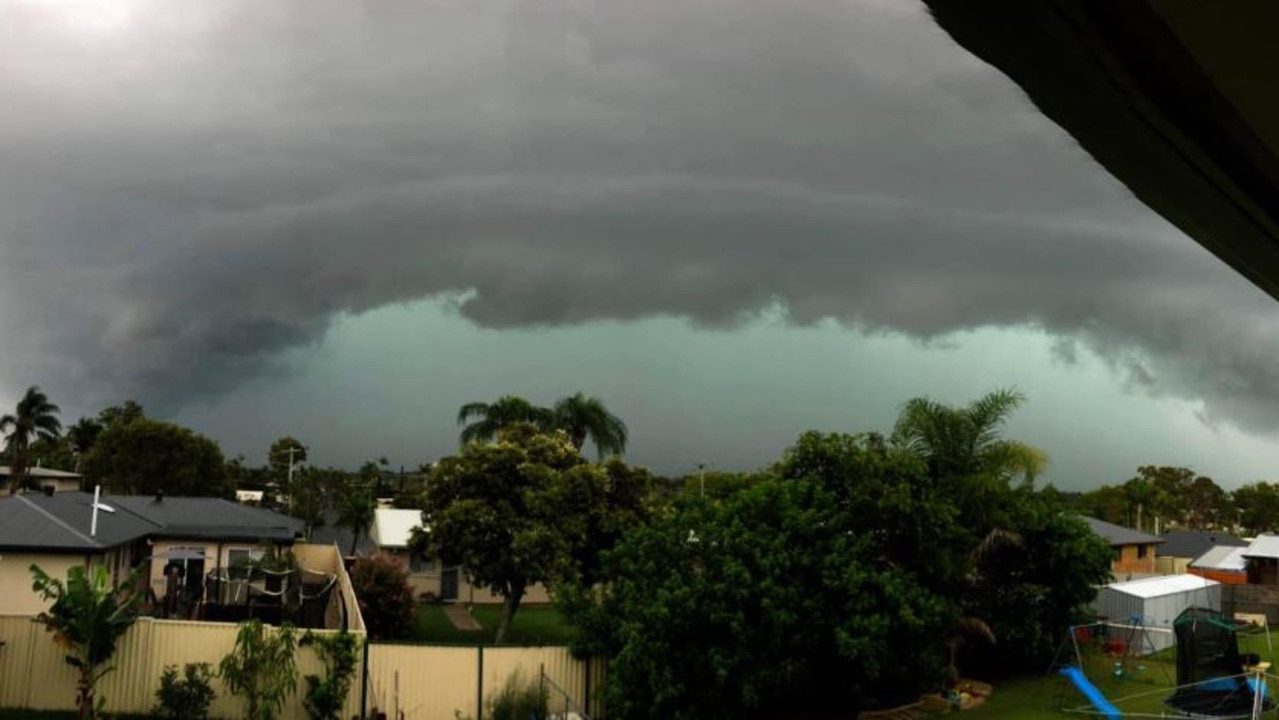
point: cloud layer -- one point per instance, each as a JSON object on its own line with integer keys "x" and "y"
{"x": 186, "y": 191}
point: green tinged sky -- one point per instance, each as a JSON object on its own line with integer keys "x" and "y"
{"x": 733, "y": 221}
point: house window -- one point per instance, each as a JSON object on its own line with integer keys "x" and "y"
{"x": 420, "y": 564}
{"x": 1141, "y": 551}
{"x": 239, "y": 560}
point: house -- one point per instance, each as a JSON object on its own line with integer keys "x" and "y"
{"x": 392, "y": 528}
{"x": 1263, "y": 560}
{"x": 46, "y": 478}
{"x": 331, "y": 533}
{"x": 202, "y": 557}
{"x": 1134, "y": 551}
{"x": 1224, "y": 563}
{"x": 1180, "y": 547}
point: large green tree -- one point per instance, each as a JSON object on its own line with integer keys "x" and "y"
{"x": 1258, "y": 506}
{"x": 148, "y": 456}
{"x": 585, "y": 417}
{"x": 513, "y": 513}
{"x": 33, "y": 418}
{"x": 285, "y": 452}
{"x": 785, "y": 603}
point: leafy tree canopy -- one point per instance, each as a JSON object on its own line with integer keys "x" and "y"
{"x": 147, "y": 456}
{"x": 523, "y": 510}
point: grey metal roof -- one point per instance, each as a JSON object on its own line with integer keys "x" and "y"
{"x": 1222, "y": 557}
{"x": 1263, "y": 546}
{"x": 213, "y": 518}
{"x": 1117, "y": 535}
{"x": 60, "y": 522}
{"x": 1192, "y": 543}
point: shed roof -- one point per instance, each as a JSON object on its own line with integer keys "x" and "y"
{"x": 1263, "y": 546}
{"x": 1222, "y": 557}
{"x": 1118, "y": 535}
{"x": 392, "y": 527}
{"x": 1161, "y": 586}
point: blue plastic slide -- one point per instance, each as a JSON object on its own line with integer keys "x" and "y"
{"x": 1091, "y": 692}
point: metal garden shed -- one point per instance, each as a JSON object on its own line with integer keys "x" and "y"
{"x": 1153, "y": 603}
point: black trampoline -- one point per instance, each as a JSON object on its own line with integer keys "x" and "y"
{"x": 1211, "y": 682}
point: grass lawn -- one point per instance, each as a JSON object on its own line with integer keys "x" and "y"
{"x": 533, "y": 625}
{"x": 1039, "y": 696}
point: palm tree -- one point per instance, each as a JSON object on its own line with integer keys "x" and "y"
{"x": 491, "y": 418}
{"x": 34, "y": 417}
{"x": 83, "y": 434}
{"x": 356, "y": 508}
{"x": 581, "y": 417}
{"x": 962, "y": 442}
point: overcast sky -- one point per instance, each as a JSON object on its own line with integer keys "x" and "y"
{"x": 732, "y": 221}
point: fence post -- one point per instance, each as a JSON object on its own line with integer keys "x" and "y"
{"x": 364, "y": 686}
{"x": 586, "y": 705}
{"x": 479, "y": 685}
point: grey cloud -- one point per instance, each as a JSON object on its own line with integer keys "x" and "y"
{"x": 183, "y": 197}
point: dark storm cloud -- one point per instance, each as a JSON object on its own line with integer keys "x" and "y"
{"x": 183, "y": 196}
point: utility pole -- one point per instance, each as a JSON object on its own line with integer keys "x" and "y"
{"x": 292, "y": 449}
{"x": 701, "y": 478}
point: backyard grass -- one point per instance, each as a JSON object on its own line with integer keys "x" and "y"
{"x": 533, "y": 625}
{"x": 1147, "y": 683}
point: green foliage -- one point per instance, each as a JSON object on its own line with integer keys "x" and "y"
{"x": 279, "y": 456}
{"x": 482, "y": 422}
{"x": 518, "y": 700}
{"x": 355, "y": 509}
{"x": 122, "y": 414}
{"x": 261, "y": 668}
{"x": 782, "y": 601}
{"x": 848, "y": 577}
{"x": 87, "y": 617}
{"x": 326, "y": 696}
{"x": 585, "y": 417}
{"x": 147, "y": 456}
{"x": 1173, "y": 496}
{"x": 33, "y": 418}
{"x": 186, "y": 696}
{"x": 1258, "y": 505}
{"x": 526, "y": 509}
{"x": 579, "y": 416}
{"x": 385, "y": 597}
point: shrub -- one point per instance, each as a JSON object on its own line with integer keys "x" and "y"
{"x": 261, "y": 669}
{"x": 518, "y": 701}
{"x": 386, "y": 601}
{"x": 185, "y": 696}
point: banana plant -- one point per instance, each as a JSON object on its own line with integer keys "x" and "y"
{"x": 87, "y": 617}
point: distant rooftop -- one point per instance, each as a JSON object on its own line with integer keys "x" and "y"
{"x": 1118, "y": 535}
{"x": 1193, "y": 543}
{"x": 1223, "y": 557}
{"x": 39, "y": 472}
{"x": 1264, "y": 546}
{"x": 393, "y": 527}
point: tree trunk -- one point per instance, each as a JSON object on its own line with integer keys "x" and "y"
{"x": 355, "y": 538}
{"x": 18, "y": 472}
{"x": 511, "y": 604}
